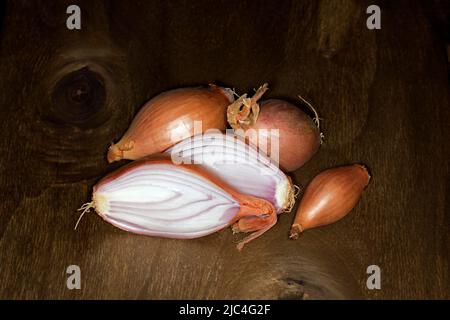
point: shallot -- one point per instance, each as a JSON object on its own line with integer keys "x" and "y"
{"x": 330, "y": 196}
{"x": 170, "y": 117}
{"x": 155, "y": 197}
{"x": 239, "y": 165}
{"x": 299, "y": 135}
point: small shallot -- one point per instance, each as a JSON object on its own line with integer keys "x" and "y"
{"x": 155, "y": 197}
{"x": 330, "y": 196}
{"x": 299, "y": 135}
{"x": 171, "y": 117}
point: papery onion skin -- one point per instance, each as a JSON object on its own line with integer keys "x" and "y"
{"x": 169, "y": 118}
{"x": 330, "y": 196}
{"x": 239, "y": 165}
{"x": 184, "y": 222}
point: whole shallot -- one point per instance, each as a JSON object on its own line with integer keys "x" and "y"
{"x": 299, "y": 136}
{"x": 330, "y": 196}
{"x": 171, "y": 117}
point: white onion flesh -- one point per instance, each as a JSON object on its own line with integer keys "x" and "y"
{"x": 164, "y": 200}
{"x": 239, "y": 165}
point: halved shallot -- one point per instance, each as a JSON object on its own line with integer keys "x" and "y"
{"x": 239, "y": 165}
{"x": 155, "y": 197}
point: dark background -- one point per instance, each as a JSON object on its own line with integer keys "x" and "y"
{"x": 383, "y": 96}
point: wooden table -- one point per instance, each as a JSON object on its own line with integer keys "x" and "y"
{"x": 383, "y": 96}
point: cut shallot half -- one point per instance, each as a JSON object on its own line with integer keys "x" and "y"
{"x": 155, "y": 197}
{"x": 239, "y": 165}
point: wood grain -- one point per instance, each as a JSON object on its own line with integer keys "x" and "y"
{"x": 383, "y": 96}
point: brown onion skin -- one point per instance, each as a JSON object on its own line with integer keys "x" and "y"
{"x": 152, "y": 128}
{"x": 299, "y": 136}
{"x": 330, "y": 196}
